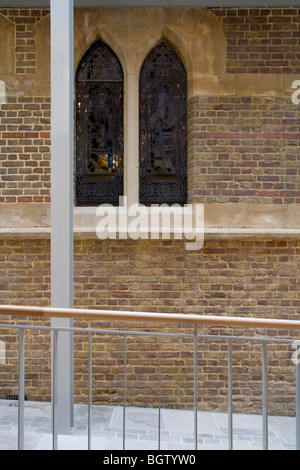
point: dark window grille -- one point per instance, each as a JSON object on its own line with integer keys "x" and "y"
{"x": 99, "y": 127}
{"x": 163, "y": 127}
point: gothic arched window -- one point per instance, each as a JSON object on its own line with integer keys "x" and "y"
{"x": 99, "y": 127}
{"x": 163, "y": 127}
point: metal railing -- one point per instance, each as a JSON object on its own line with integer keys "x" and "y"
{"x": 164, "y": 319}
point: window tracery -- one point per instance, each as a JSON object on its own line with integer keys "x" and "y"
{"x": 99, "y": 127}
{"x": 163, "y": 127}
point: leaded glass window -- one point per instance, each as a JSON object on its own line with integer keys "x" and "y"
{"x": 99, "y": 127}
{"x": 163, "y": 127}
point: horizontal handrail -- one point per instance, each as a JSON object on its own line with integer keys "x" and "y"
{"x": 113, "y": 315}
{"x": 195, "y": 320}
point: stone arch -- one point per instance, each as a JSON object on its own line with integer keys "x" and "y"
{"x": 195, "y": 33}
{"x": 90, "y": 26}
{"x": 198, "y": 38}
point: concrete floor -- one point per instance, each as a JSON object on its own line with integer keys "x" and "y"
{"x": 176, "y": 429}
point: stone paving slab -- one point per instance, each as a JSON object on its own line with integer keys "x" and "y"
{"x": 141, "y": 429}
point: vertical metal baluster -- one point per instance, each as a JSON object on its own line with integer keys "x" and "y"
{"x": 265, "y": 394}
{"x": 230, "y": 427}
{"x": 297, "y": 363}
{"x": 159, "y": 391}
{"x": 90, "y": 389}
{"x": 124, "y": 397}
{"x": 195, "y": 389}
{"x": 54, "y": 391}
{"x": 21, "y": 389}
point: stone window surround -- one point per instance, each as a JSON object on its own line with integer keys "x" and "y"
{"x": 132, "y": 34}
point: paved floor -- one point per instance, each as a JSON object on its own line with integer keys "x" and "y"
{"x": 176, "y": 429}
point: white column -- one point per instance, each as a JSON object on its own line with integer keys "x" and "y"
{"x": 131, "y": 139}
{"x": 2, "y": 92}
{"x": 62, "y": 12}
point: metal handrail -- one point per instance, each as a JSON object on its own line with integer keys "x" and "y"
{"x": 195, "y": 320}
{"x": 113, "y": 315}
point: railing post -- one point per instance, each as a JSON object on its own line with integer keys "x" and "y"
{"x": 54, "y": 391}
{"x": 124, "y": 393}
{"x": 297, "y": 362}
{"x": 195, "y": 388}
{"x": 90, "y": 389}
{"x": 21, "y": 389}
{"x": 265, "y": 395}
{"x": 230, "y": 440}
{"x": 159, "y": 392}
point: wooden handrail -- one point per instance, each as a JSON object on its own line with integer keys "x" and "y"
{"x": 115, "y": 315}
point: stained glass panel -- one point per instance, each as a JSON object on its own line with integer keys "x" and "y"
{"x": 163, "y": 127}
{"x": 99, "y": 127}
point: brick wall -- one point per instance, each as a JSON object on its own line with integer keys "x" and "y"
{"x": 245, "y": 278}
{"x": 261, "y": 40}
{"x": 25, "y": 37}
{"x": 244, "y": 149}
{"x": 25, "y": 149}
{"x": 241, "y": 149}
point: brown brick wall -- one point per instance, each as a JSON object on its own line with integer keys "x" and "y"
{"x": 242, "y": 278}
{"x": 25, "y": 149}
{"x": 25, "y": 37}
{"x": 241, "y": 149}
{"x": 261, "y": 40}
{"x": 244, "y": 149}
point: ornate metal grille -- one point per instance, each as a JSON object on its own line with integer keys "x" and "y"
{"x": 99, "y": 127}
{"x": 163, "y": 127}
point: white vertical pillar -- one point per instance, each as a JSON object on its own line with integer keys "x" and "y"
{"x": 62, "y": 118}
{"x": 2, "y": 92}
{"x": 131, "y": 139}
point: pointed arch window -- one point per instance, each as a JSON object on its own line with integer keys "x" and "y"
{"x": 163, "y": 127}
{"x": 99, "y": 127}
